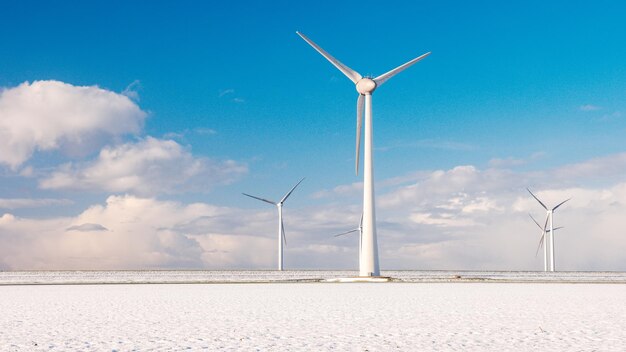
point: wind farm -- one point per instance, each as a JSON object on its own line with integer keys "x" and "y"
{"x": 152, "y": 159}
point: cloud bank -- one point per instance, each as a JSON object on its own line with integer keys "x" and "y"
{"x": 146, "y": 167}
{"x": 51, "y": 115}
{"x": 463, "y": 218}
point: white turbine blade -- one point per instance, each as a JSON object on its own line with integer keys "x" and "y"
{"x": 537, "y": 199}
{"x": 384, "y": 77}
{"x": 560, "y": 227}
{"x": 359, "y": 117}
{"x": 345, "y": 233}
{"x": 350, "y": 73}
{"x": 553, "y": 209}
{"x": 282, "y": 225}
{"x": 543, "y": 233}
{"x": 361, "y": 240}
{"x": 539, "y": 226}
{"x": 289, "y": 193}
{"x": 540, "y": 244}
{"x": 261, "y": 199}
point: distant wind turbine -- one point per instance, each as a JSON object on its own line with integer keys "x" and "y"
{"x": 543, "y": 235}
{"x": 550, "y": 232}
{"x": 365, "y": 86}
{"x": 281, "y": 227}
{"x": 360, "y": 230}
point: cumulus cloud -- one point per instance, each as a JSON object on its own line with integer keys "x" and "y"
{"x": 146, "y": 167}
{"x": 144, "y": 233}
{"x": 463, "y": 218}
{"x": 49, "y": 115}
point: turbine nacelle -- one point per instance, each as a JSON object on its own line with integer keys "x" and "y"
{"x": 365, "y": 86}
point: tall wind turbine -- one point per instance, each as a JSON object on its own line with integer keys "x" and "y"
{"x": 281, "y": 227}
{"x": 365, "y": 86}
{"x": 543, "y": 236}
{"x": 550, "y": 218}
{"x": 360, "y": 230}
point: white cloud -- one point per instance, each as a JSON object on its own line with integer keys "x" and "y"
{"x": 87, "y": 228}
{"x": 198, "y": 131}
{"x": 146, "y": 167}
{"x": 17, "y": 203}
{"x": 341, "y": 190}
{"x": 430, "y": 144}
{"x": 589, "y": 107}
{"x": 513, "y": 162}
{"x": 608, "y": 167}
{"x": 224, "y": 92}
{"x": 131, "y": 90}
{"x": 463, "y": 218}
{"x": 49, "y": 115}
{"x": 143, "y": 233}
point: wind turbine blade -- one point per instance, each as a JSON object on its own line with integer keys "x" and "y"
{"x": 345, "y": 233}
{"x": 537, "y": 199}
{"x": 359, "y": 117}
{"x": 553, "y": 209}
{"x": 539, "y": 226}
{"x": 282, "y": 225}
{"x": 289, "y": 193}
{"x": 540, "y": 244}
{"x": 350, "y": 73}
{"x": 384, "y": 77}
{"x": 560, "y": 227}
{"x": 261, "y": 199}
{"x": 361, "y": 222}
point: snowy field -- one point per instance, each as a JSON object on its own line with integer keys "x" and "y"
{"x": 262, "y": 276}
{"x": 314, "y": 317}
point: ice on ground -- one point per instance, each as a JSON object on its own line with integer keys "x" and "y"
{"x": 314, "y": 317}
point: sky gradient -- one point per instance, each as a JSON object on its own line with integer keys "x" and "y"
{"x": 129, "y": 130}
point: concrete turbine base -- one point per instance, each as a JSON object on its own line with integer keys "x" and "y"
{"x": 360, "y": 279}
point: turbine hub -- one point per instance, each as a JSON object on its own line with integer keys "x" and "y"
{"x": 365, "y": 86}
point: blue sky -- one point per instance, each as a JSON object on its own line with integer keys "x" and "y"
{"x": 527, "y": 88}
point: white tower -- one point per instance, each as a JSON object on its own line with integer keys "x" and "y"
{"x": 368, "y": 262}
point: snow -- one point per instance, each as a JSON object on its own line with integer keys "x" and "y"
{"x": 402, "y": 316}
{"x": 262, "y": 276}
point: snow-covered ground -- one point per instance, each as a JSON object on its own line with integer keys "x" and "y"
{"x": 314, "y": 317}
{"x": 226, "y": 276}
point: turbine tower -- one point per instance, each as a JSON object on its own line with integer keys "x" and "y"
{"x": 281, "y": 227}
{"x": 360, "y": 230}
{"x": 365, "y": 86}
{"x": 550, "y": 233}
{"x": 543, "y": 235}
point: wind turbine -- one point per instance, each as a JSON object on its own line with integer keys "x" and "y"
{"x": 360, "y": 230}
{"x": 281, "y": 227}
{"x": 549, "y": 217}
{"x": 365, "y": 86}
{"x": 543, "y": 235}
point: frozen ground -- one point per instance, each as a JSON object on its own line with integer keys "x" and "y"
{"x": 314, "y": 317}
